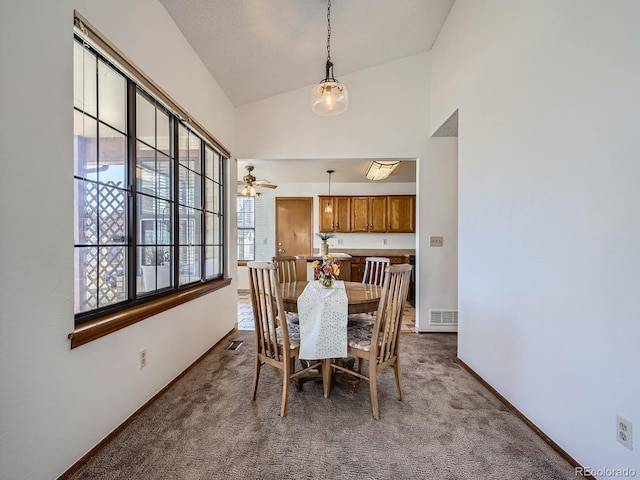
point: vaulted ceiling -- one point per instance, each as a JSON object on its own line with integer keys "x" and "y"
{"x": 256, "y": 49}
{"x": 259, "y": 48}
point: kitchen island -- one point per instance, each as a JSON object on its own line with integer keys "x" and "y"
{"x": 353, "y": 260}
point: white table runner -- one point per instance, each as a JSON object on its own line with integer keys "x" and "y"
{"x": 323, "y": 321}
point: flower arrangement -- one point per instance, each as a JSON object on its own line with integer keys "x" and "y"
{"x": 326, "y": 271}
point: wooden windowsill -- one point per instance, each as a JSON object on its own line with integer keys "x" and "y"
{"x": 100, "y": 327}
{"x": 242, "y": 264}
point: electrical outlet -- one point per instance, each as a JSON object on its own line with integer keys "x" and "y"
{"x": 143, "y": 358}
{"x": 435, "y": 241}
{"x": 624, "y": 431}
{"x": 340, "y": 241}
{"x": 384, "y": 241}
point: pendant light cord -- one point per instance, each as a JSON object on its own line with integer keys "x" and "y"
{"x": 329, "y": 31}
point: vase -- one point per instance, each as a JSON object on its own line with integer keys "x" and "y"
{"x": 324, "y": 249}
{"x": 327, "y": 282}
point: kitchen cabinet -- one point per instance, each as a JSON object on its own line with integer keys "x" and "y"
{"x": 369, "y": 214}
{"x": 339, "y": 220}
{"x": 357, "y": 268}
{"x": 357, "y": 264}
{"x": 401, "y": 211}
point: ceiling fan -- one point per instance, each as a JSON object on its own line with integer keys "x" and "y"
{"x": 250, "y": 183}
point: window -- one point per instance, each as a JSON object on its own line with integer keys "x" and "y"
{"x": 246, "y": 228}
{"x": 148, "y": 192}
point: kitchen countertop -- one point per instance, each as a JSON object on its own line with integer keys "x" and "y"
{"x": 371, "y": 252}
{"x": 316, "y": 256}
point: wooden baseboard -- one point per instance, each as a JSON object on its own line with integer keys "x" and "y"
{"x": 522, "y": 417}
{"x": 85, "y": 458}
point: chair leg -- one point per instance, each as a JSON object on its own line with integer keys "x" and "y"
{"x": 256, "y": 377}
{"x": 285, "y": 387}
{"x": 360, "y": 363}
{"x": 396, "y": 369}
{"x": 373, "y": 387}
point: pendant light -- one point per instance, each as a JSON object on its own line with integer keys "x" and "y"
{"x": 328, "y": 208}
{"x": 329, "y": 97}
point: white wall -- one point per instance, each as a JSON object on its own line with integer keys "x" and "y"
{"x": 283, "y": 127}
{"x": 57, "y": 403}
{"x": 549, "y": 217}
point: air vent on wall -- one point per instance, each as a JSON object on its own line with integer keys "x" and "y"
{"x": 443, "y": 317}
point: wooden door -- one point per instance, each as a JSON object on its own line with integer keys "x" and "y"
{"x": 378, "y": 214}
{"x": 294, "y": 229}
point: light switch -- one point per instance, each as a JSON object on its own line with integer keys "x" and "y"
{"x": 435, "y": 241}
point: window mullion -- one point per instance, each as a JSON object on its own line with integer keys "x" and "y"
{"x": 176, "y": 206}
{"x": 132, "y": 191}
{"x": 203, "y": 216}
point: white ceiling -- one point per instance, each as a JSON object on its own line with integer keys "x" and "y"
{"x": 256, "y": 49}
{"x": 259, "y": 48}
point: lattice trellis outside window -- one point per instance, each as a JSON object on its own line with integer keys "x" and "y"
{"x": 102, "y": 221}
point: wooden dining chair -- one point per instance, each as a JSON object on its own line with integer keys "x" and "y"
{"x": 286, "y": 268}
{"x": 379, "y": 343}
{"x": 277, "y": 341}
{"x": 374, "y": 269}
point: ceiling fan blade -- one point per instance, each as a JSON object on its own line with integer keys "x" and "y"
{"x": 265, "y": 185}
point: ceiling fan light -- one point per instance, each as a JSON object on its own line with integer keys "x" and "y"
{"x": 379, "y": 170}
{"x": 252, "y": 191}
{"x": 244, "y": 191}
{"x": 329, "y": 97}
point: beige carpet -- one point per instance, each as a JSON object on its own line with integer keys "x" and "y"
{"x": 448, "y": 427}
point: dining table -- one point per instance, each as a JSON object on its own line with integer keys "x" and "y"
{"x": 361, "y": 298}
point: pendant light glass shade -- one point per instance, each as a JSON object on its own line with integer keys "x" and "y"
{"x": 329, "y": 97}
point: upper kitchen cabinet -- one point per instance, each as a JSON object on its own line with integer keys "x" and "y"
{"x": 339, "y": 220}
{"x": 401, "y": 211}
{"x": 369, "y": 214}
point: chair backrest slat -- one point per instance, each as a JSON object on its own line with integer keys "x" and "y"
{"x": 268, "y": 309}
{"x": 374, "y": 270}
{"x": 286, "y": 268}
{"x": 390, "y": 310}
